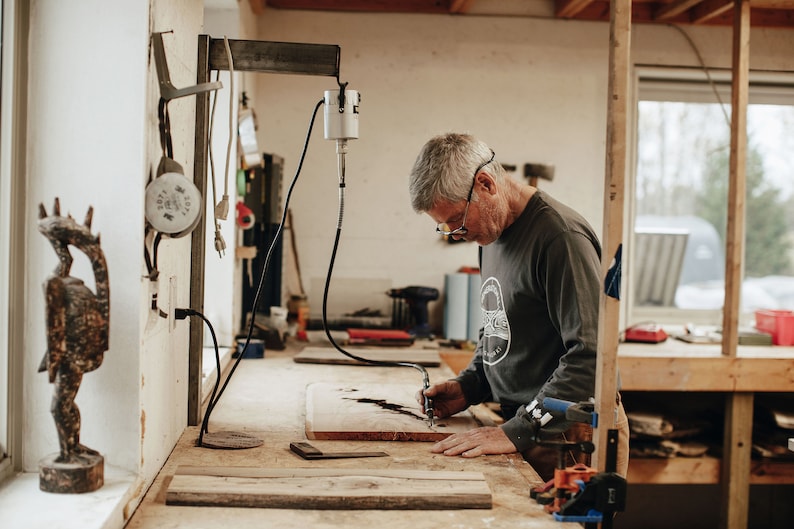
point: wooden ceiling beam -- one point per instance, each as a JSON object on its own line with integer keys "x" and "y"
{"x": 460, "y": 7}
{"x": 772, "y": 4}
{"x": 570, "y": 8}
{"x": 375, "y": 6}
{"x": 765, "y": 13}
{"x": 674, "y": 9}
{"x": 709, "y": 9}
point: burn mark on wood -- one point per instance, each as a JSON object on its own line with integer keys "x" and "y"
{"x": 390, "y": 406}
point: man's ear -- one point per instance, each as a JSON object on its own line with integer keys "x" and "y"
{"x": 487, "y": 182}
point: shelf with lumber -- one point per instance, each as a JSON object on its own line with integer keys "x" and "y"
{"x": 675, "y": 366}
{"x": 704, "y": 470}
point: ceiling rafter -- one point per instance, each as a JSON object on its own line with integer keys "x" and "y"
{"x": 674, "y": 9}
{"x": 710, "y": 9}
{"x": 765, "y": 13}
{"x": 570, "y": 8}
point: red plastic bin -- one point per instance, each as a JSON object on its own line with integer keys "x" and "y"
{"x": 778, "y": 323}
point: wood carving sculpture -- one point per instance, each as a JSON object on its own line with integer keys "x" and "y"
{"x": 77, "y": 338}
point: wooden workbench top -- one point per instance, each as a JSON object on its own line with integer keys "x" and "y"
{"x": 266, "y": 398}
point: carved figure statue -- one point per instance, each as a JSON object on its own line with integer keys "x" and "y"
{"x": 77, "y": 326}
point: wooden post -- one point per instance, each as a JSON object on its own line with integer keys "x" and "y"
{"x": 612, "y": 237}
{"x": 739, "y": 406}
{"x": 197, "y": 241}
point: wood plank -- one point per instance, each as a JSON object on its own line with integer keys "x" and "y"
{"x": 772, "y": 472}
{"x": 318, "y": 488}
{"x": 737, "y": 444}
{"x": 614, "y": 190}
{"x": 674, "y": 471}
{"x": 329, "y": 355}
{"x": 673, "y": 9}
{"x": 723, "y": 373}
{"x": 737, "y": 453}
{"x": 198, "y": 237}
{"x": 375, "y": 412}
{"x": 441, "y": 7}
{"x": 570, "y": 8}
{"x": 704, "y": 471}
{"x": 456, "y": 359}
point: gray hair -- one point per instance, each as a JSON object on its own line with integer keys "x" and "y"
{"x": 444, "y": 169}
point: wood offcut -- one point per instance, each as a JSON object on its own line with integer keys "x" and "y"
{"x": 308, "y": 488}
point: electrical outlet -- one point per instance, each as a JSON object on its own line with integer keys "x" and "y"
{"x": 171, "y": 302}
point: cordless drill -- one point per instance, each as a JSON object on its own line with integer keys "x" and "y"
{"x": 417, "y": 299}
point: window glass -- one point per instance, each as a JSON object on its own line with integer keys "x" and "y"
{"x": 681, "y": 200}
{"x": 4, "y": 463}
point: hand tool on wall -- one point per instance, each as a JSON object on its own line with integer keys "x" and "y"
{"x": 307, "y": 451}
{"x": 535, "y": 171}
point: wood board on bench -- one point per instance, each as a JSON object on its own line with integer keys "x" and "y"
{"x": 329, "y": 355}
{"x": 324, "y": 488}
{"x": 375, "y": 412}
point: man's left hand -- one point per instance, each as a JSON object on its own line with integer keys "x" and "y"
{"x": 476, "y": 442}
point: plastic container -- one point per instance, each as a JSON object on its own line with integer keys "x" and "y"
{"x": 778, "y": 323}
{"x": 256, "y": 348}
{"x": 299, "y": 310}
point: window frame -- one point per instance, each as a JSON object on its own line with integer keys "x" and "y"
{"x": 13, "y": 111}
{"x": 688, "y": 84}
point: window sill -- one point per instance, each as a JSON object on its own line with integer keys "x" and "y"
{"x": 24, "y": 505}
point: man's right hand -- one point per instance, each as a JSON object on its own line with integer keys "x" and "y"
{"x": 447, "y": 398}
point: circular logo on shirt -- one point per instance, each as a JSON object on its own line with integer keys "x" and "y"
{"x": 496, "y": 328}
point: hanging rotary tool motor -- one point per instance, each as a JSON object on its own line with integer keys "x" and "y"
{"x": 341, "y": 125}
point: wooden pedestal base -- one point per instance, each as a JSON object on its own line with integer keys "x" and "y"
{"x": 87, "y": 474}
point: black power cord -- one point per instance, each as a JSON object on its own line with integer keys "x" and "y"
{"x": 425, "y": 377}
{"x": 183, "y": 313}
{"x": 216, "y": 396}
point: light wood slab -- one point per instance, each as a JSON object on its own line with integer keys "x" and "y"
{"x": 323, "y": 488}
{"x": 375, "y": 412}
{"x": 329, "y": 355}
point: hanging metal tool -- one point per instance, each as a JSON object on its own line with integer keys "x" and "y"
{"x": 167, "y": 90}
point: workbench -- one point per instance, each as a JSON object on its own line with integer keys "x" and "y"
{"x": 266, "y": 398}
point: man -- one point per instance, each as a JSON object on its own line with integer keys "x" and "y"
{"x": 540, "y": 263}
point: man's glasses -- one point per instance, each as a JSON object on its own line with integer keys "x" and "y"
{"x": 443, "y": 228}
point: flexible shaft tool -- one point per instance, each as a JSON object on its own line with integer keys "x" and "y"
{"x": 341, "y": 124}
{"x": 428, "y": 401}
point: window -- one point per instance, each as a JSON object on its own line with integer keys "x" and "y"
{"x": 4, "y": 238}
{"x": 681, "y": 196}
{"x": 12, "y": 79}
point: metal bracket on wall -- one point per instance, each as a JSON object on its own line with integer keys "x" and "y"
{"x": 167, "y": 90}
{"x": 275, "y": 57}
{"x": 248, "y": 56}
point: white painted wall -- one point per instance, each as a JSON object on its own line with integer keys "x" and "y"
{"x": 534, "y": 89}
{"x": 93, "y": 141}
{"x": 87, "y": 145}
